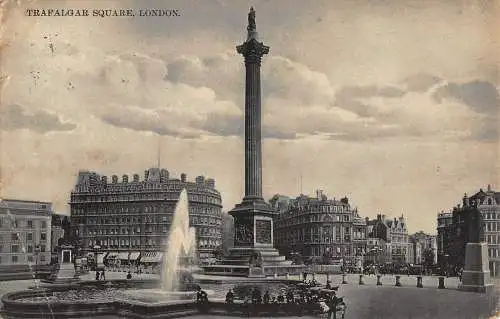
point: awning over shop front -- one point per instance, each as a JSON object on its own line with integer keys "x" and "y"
{"x": 134, "y": 255}
{"x": 123, "y": 256}
{"x": 151, "y": 257}
{"x": 112, "y": 254}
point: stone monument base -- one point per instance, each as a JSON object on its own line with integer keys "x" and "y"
{"x": 476, "y": 274}
{"x": 237, "y": 264}
{"x": 66, "y": 273}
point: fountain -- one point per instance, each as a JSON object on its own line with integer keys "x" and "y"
{"x": 253, "y": 263}
{"x": 176, "y": 282}
{"x": 181, "y": 246}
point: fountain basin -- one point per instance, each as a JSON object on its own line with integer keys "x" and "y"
{"x": 129, "y": 299}
{"x": 159, "y": 296}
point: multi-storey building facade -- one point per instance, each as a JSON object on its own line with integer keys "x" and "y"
{"x": 395, "y": 235}
{"x": 444, "y": 237}
{"x": 25, "y": 232}
{"x": 414, "y": 252}
{"x": 421, "y": 244}
{"x": 318, "y": 226}
{"x": 133, "y": 217}
{"x": 376, "y": 251}
{"x": 487, "y": 205}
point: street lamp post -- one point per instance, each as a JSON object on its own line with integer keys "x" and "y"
{"x": 37, "y": 253}
{"x": 97, "y": 248}
{"x": 446, "y": 264}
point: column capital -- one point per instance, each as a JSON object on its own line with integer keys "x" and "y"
{"x": 252, "y": 50}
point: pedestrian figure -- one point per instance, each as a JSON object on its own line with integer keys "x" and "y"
{"x": 103, "y": 277}
{"x": 281, "y": 299}
{"x": 230, "y": 297}
{"x": 267, "y": 297}
{"x": 328, "y": 285}
{"x": 256, "y": 296}
{"x": 201, "y": 296}
{"x": 96, "y": 275}
{"x": 202, "y": 300}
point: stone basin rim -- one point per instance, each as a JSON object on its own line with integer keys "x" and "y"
{"x": 10, "y": 298}
{"x": 128, "y": 308}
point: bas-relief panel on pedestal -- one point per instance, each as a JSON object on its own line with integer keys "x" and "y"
{"x": 243, "y": 232}
{"x": 263, "y": 231}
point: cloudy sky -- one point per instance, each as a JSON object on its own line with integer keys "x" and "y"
{"x": 392, "y": 103}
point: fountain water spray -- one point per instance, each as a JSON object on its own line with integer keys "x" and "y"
{"x": 181, "y": 245}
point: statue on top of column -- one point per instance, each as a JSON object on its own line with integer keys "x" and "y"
{"x": 251, "y": 20}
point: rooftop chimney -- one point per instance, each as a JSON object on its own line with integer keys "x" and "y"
{"x": 319, "y": 194}
{"x": 210, "y": 182}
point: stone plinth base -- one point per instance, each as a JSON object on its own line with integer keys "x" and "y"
{"x": 66, "y": 273}
{"x": 476, "y": 274}
{"x": 269, "y": 263}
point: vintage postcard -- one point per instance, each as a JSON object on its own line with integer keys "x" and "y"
{"x": 236, "y": 158}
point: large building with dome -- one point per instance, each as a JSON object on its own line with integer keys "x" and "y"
{"x": 316, "y": 227}
{"x": 130, "y": 218}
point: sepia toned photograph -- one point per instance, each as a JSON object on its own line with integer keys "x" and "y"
{"x": 198, "y": 159}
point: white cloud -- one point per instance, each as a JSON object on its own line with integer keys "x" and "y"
{"x": 118, "y": 83}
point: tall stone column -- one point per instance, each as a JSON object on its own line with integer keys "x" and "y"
{"x": 253, "y": 216}
{"x": 252, "y": 50}
{"x": 253, "y": 254}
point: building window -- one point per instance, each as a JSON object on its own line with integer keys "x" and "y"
{"x": 42, "y": 258}
{"x": 44, "y": 224}
{"x": 14, "y": 259}
{"x": 29, "y": 236}
{"x": 29, "y": 249}
{"x": 43, "y": 236}
{"x": 29, "y": 223}
{"x": 14, "y": 236}
{"x": 30, "y": 259}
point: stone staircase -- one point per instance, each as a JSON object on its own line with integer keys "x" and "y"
{"x": 237, "y": 263}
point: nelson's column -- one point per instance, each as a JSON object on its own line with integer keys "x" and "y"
{"x": 253, "y": 253}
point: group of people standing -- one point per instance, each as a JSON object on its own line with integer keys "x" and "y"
{"x": 327, "y": 302}
{"x": 100, "y": 275}
{"x": 256, "y": 297}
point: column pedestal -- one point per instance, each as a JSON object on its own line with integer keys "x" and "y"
{"x": 254, "y": 254}
{"x": 476, "y": 274}
{"x": 67, "y": 272}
